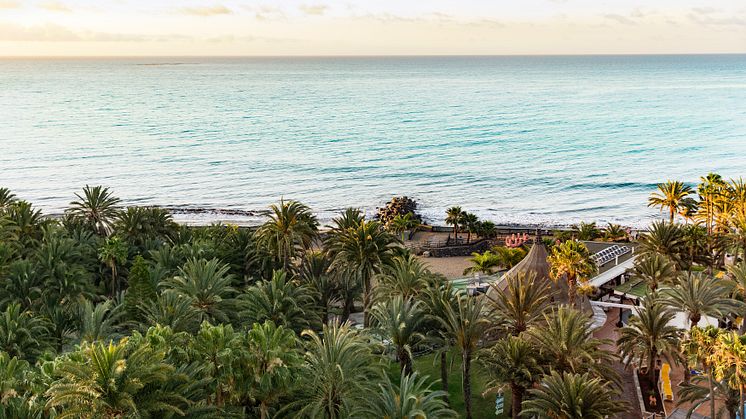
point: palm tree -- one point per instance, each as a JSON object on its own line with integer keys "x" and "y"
{"x": 469, "y": 221}
{"x": 729, "y": 363}
{"x": 615, "y": 232}
{"x": 586, "y": 231}
{"x": 666, "y": 239}
{"x": 695, "y": 395}
{"x": 403, "y": 223}
{"x": 171, "y": 309}
{"x": 336, "y": 381}
{"x": 113, "y": 252}
{"x": 671, "y": 195}
{"x": 466, "y": 324}
{"x": 208, "y": 284}
{"x": 566, "y": 344}
{"x": 695, "y": 246}
{"x": 571, "y": 261}
{"x": 440, "y": 299}
{"x": 217, "y": 347}
{"x": 315, "y": 273}
{"x": 453, "y": 218}
{"x": 291, "y": 226}
{"x": 399, "y": 319}
{"x": 412, "y": 398}
{"x": 710, "y": 190}
{"x": 113, "y": 380}
{"x": 508, "y": 257}
{"x": 274, "y": 362}
{"x": 698, "y": 348}
{"x": 521, "y": 305}
{"x": 483, "y": 262}
{"x": 649, "y": 335}
{"x": 405, "y": 275}
{"x": 281, "y": 301}
{"x": 22, "y": 334}
{"x": 737, "y": 275}
{"x": 572, "y": 396}
{"x": 137, "y": 225}
{"x": 99, "y": 322}
{"x": 97, "y": 207}
{"x": 701, "y": 295}
{"x": 6, "y": 198}
{"x": 513, "y": 361}
{"x": 655, "y": 270}
{"x": 362, "y": 253}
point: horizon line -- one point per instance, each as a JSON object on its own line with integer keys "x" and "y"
{"x": 642, "y": 54}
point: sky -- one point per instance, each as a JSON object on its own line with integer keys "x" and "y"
{"x": 371, "y": 27}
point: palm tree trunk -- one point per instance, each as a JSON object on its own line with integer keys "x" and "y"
{"x": 444, "y": 375}
{"x": 712, "y": 391}
{"x": 114, "y": 284}
{"x": 466, "y": 382}
{"x": 405, "y": 362}
{"x": 651, "y": 368}
{"x": 740, "y": 401}
{"x": 516, "y": 392}
{"x": 366, "y": 302}
{"x": 571, "y": 292}
{"x": 671, "y": 209}
{"x": 263, "y": 410}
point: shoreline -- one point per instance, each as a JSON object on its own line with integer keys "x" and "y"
{"x": 201, "y": 217}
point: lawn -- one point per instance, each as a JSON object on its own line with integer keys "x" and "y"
{"x": 482, "y": 407}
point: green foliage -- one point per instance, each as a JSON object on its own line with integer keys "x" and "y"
{"x": 141, "y": 288}
{"x": 280, "y": 300}
{"x": 572, "y": 396}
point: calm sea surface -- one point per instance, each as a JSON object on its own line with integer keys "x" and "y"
{"x": 514, "y": 139}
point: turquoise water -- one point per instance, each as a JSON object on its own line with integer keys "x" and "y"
{"x": 514, "y": 139}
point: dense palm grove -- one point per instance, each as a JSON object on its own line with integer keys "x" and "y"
{"x": 120, "y": 312}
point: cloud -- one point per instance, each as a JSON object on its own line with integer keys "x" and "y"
{"x": 314, "y": 10}
{"x": 207, "y": 10}
{"x": 56, "y": 33}
{"x": 713, "y": 17}
{"x": 624, "y": 20}
{"x": 54, "y": 6}
{"x": 9, "y": 4}
{"x": 266, "y": 12}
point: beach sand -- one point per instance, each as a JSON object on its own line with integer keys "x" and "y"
{"x": 451, "y": 267}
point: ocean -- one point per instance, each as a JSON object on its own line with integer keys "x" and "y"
{"x": 517, "y": 140}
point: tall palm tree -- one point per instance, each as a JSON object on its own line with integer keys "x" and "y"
{"x": 400, "y": 319}
{"x": 710, "y": 190}
{"x": 566, "y": 344}
{"x": 729, "y": 363}
{"x": 695, "y": 395}
{"x": 362, "y": 253}
{"x": 513, "y": 361}
{"x": 697, "y": 348}
{"x": 412, "y": 398}
{"x": 208, "y": 284}
{"x": 315, "y": 273}
{"x": 440, "y": 298}
{"x": 737, "y": 275}
{"x": 571, "y": 261}
{"x": 655, "y": 270}
{"x": 483, "y": 262}
{"x": 291, "y": 227}
{"x": 453, "y": 218}
{"x": 466, "y": 324}
{"x": 113, "y": 380}
{"x": 670, "y": 195}
{"x": 521, "y": 305}
{"x": 572, "y": 396}
{"x": 113, "y": 253}
{"x": 470, "y": 222}
{"x": 649, "y": 335}
{"x": 695, "y": 245}
{"x": 666, "y": 239}
{"x": 701, "y": 295}
{"x": 337, "y": 380}
{"x": 97, "y": 207}
{"x": 281, "y": 301}
{"x": 405, "y": 275}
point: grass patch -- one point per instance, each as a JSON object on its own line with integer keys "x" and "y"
{"x": 482, "y": 407}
